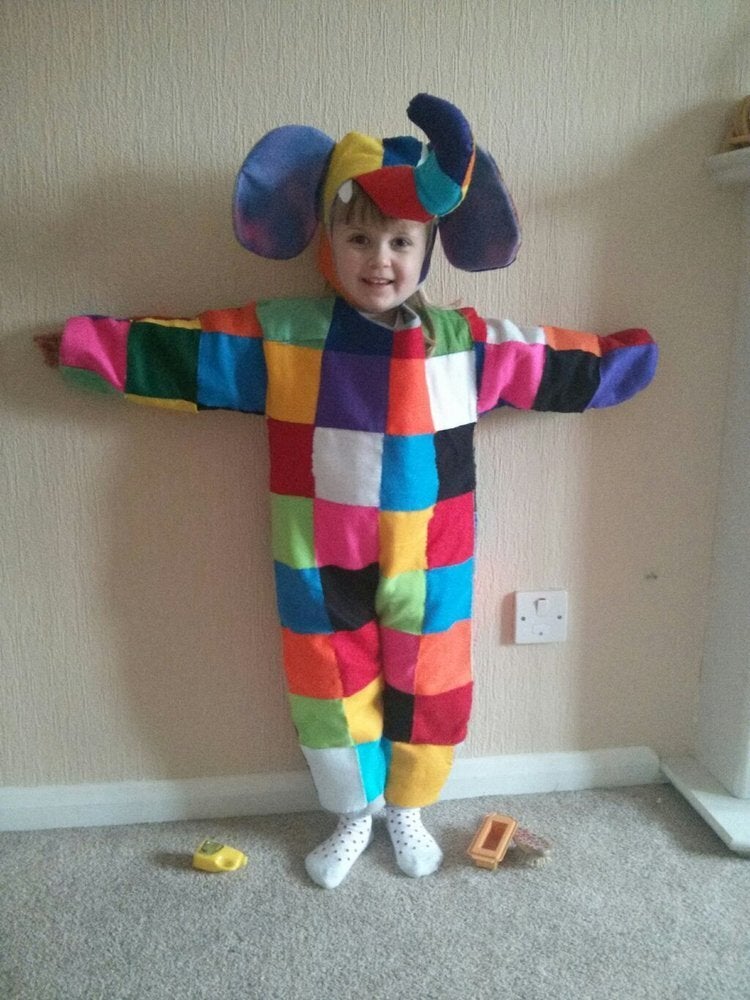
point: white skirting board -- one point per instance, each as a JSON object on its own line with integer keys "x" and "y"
{"x": 119, "y": 803}
{"x": 725, "y": 814}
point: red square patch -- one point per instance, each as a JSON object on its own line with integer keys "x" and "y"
{"x": 450, "y": 533}
{"x": 290, "y": 446}
{"x": 357, "y": 655}
{"x": 442, "y": 718}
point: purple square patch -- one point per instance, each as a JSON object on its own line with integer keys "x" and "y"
{"x": 353, "y": 391}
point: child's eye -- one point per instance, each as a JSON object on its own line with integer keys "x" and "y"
{"x": 401, "y": 242}
{"x": 358, "y": 239}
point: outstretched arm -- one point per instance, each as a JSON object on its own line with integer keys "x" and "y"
{"x": 212, "y": 361}
{"x": 554, "y": 369}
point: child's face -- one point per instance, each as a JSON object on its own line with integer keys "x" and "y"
{"x": 378, "y": 263}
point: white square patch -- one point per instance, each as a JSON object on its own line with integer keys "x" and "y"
{"x": 337, "y": 777}
{"x": 347, "y": 466}
{"x": 499, "y": 331}
{"x": 452, "y": 388}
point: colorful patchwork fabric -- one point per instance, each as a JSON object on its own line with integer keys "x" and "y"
{"x": 372, "y": 488}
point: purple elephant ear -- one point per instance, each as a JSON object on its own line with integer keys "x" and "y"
{"x": 276, "y": 192}
{"x": 482, "y": 233}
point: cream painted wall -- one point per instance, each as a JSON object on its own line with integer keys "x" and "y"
{"x": 137, "y": 625}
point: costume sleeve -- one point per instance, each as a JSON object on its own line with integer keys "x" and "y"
{"x": 554, "y": 369}
{"x": 214, "y": 361}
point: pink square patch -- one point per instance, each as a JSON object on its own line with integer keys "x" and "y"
{"x": 345, "y": 535}
{"x": 512, "y": 373}
{"x": 400, "y": 652}
{"x": 97, "y": 344}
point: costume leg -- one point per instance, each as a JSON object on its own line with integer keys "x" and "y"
{"x": 425, "y": 619}
{"x": 332, "y": 666}
{"x": 335, "y": 692}
{"x": 427, "y": 703}
{"x": 424, "y": 607}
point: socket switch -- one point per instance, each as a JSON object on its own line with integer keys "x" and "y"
{"x": 541, "y": 616}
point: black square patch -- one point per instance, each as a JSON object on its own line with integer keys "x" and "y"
{"x": 349, "y": 595}
{"x": 454, "y": 452}
{"x": 398, "y": 715}
{"x": 569, "y": 381}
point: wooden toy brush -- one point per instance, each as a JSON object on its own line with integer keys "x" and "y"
{"x": 528, "y": 849}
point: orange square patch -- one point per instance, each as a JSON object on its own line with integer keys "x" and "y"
{"x": 310, "y": 665}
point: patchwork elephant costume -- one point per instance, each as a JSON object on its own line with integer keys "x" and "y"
{"x": 370, "y": 431}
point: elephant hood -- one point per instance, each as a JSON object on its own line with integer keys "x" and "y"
{"x": 290, "y": 178}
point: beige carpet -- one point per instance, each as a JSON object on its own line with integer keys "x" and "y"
{"x": 638, "y": 900}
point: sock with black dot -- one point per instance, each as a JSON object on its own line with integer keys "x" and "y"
{"x": 417, "y": 852}
{"x": 330, "y": 862}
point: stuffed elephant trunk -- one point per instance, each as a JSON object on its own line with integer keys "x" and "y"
{"x": 444, "y": 174}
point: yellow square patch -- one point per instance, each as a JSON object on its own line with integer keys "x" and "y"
{"x": 293, "y": 382}
{"x": 403, "y": 540}
{"x": 183, "y": 405}
{"x": 417, "y": 774}
{"x": 364, "y": 713}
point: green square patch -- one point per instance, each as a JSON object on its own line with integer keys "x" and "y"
{"x": 292, "y": 531}
{"x": 400, "y": 601}
{"x": 296, "y": 321}
{"x": 90, "y": 381}
{"x": 452, "y": 332}
{"x": 320, "y": 722}
{"x": 163, "y": 362}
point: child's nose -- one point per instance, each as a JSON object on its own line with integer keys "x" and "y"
{"x": 380, "y": 253}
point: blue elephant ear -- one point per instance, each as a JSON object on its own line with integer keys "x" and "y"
{"x": 274, "y": 209}
{"x": 482, "y": 233}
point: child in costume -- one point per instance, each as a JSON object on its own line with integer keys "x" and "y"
{"x": 370, "y": 399}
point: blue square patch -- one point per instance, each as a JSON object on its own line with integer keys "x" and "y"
{"x": 231, "y": 373}
{"x": 410, "y": 475}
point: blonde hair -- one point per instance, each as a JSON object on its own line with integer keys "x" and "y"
{"x": 362, "y": 210}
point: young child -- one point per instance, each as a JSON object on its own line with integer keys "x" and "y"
{"x": 370, "y": 398}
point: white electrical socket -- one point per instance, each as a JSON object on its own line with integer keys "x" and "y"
{"x": 541, "y": 616}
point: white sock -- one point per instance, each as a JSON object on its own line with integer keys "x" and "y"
{"x": 417, "y": 852}
{"x": 330, "y": 862}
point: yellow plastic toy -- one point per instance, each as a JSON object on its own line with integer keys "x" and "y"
{"x": 214, "y": 857}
